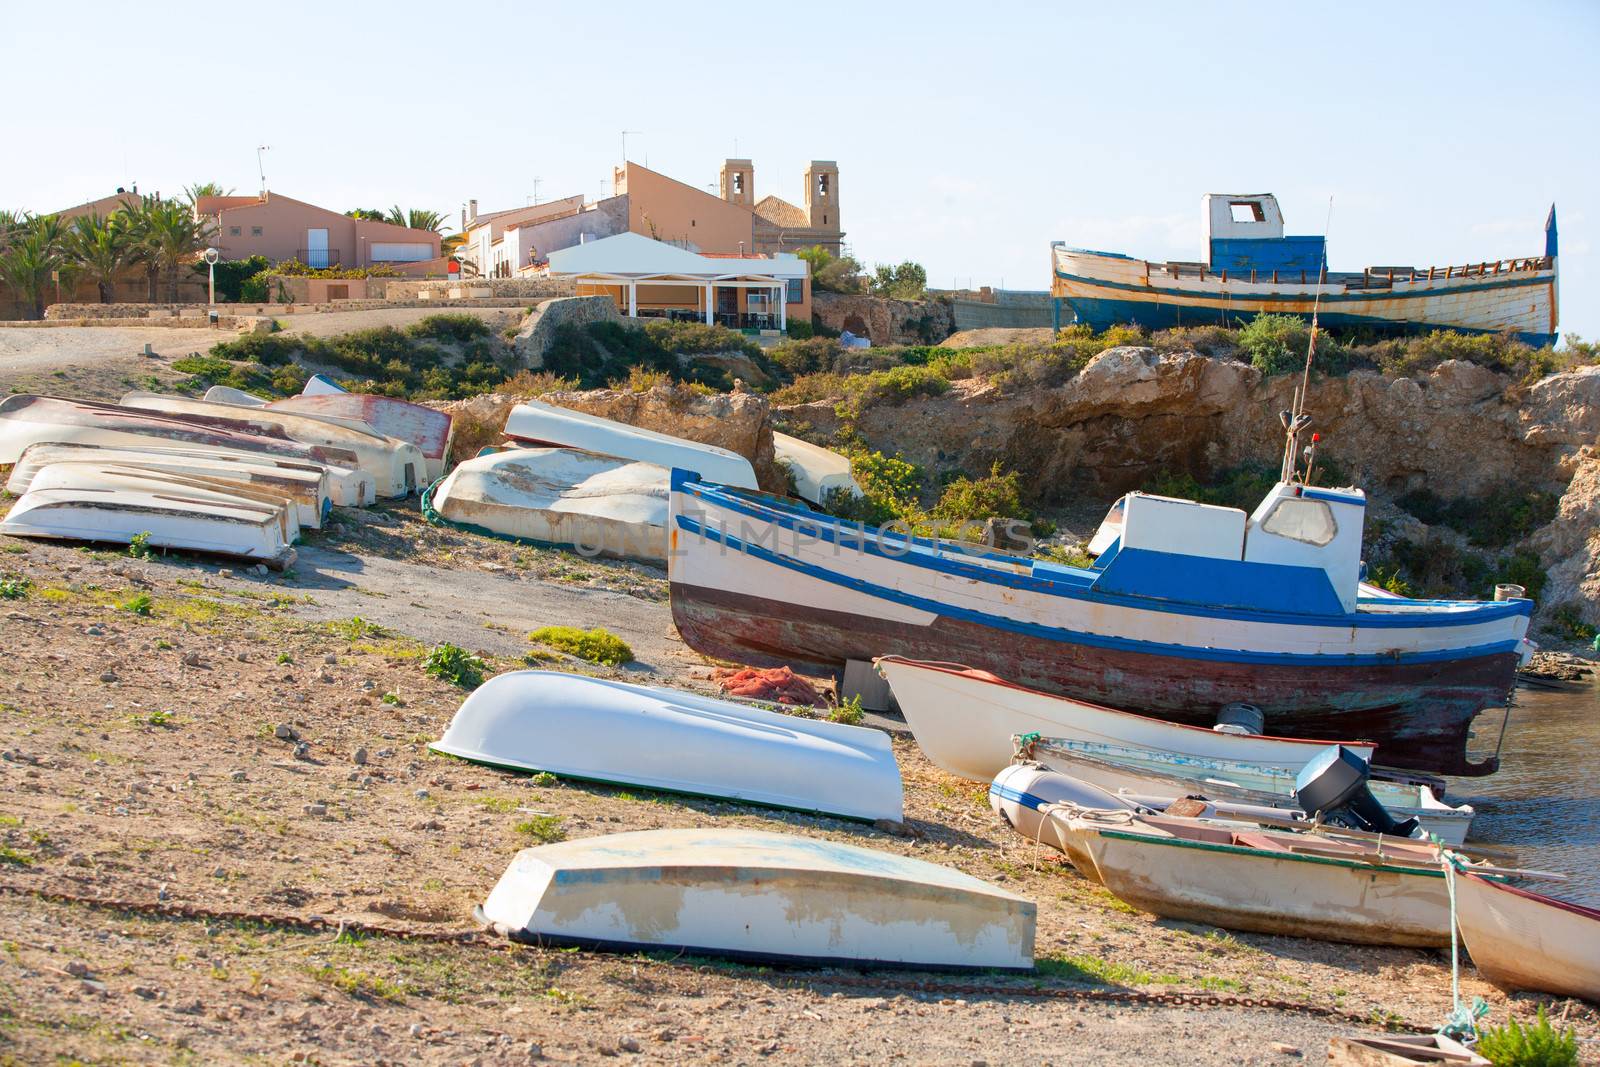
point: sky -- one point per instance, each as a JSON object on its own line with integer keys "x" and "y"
{"x": 968, "y": 136}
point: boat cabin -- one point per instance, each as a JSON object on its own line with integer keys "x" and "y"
{"x": 1244, "y": 232}
{"x": 1299, "y": 551}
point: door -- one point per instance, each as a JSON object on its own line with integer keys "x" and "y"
{"x": 317, "y": 248}
{"x": 727, "y": 305}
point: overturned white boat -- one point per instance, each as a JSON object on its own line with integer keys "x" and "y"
{"x": 76, "y": 502}
{"x": 96, "y": 476}
{"x": 1157, "y": 778}
{"x": 307, "y": 484}
{"x": 818, "y": 472}
{"x": 227, "y": 394}
{"x": 396, "y": 466}
{"x": 28, "y": 420}
{"x": 759, "y": 896}
{"x": 964, "y": 719}
{"x": 427, "y": 428}
{"x": 598, "y": 505}
{"x": 598, "y": 730}
{"x": 537, "y": 423}
{"x": 321, "y": 385}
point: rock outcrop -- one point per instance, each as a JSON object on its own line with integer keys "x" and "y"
{"x": 1460, "y": 430}
{"x": 883, "y": 320}
{"x": 539, "y": 329}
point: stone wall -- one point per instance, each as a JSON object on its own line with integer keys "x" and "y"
{"x": 539, "y": 329}
{"x": 882, "y": 320}
{"x": 525, "y": 290}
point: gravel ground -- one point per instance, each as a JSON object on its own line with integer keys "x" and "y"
{"x": 143, "y": 762}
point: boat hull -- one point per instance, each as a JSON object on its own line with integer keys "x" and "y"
{"x": 427, "y": 428}
{"x": 1520, "y": 940}
{"x": 536, "y": 423}
{"x": 606, "y": 731}
{"x": 759, "y": 896}
{"x": 1263, "y": 892}
{"x": 1106, "y": 289}
{"x": 1418, "y": 713}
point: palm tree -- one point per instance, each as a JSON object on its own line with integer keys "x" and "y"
{"x": 99, "y": 248}
{"x": 199, "y": 189}
{"x": 166, "y": 235}
{"x": 416, "y": 219}
{"x": 32, "y": 252}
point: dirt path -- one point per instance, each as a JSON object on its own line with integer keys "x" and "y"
{"x": 142, "y": 763}
{"x": 94, "y": 362}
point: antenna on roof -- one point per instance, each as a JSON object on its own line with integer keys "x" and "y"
{"x": 1301, "y": 418}
{"x": 260, "y": 167}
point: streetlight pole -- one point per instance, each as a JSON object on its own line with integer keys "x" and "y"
{"x": 211, "y": 256}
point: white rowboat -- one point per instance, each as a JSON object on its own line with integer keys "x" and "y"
{"x": 1523, "y": 940}
{"x": 600, "y": 505}
{"x": 1300, "y": 885}
{"x": 427, "y": 428}
{"x": 97, "y": 476}
{"x": 1123, "y": 770}
{"x": 227, "y": 394}
{"x": 115, "y": 510}
{"x": 305, "y": 483}
{"x": 818, "y": 472}
{"x": 396, "y": 466}
{"x": 604, "y": 731}
{"x": 964, "y": 720}
{"x": 537, "y": 423}
{"x": 759, "y": 896}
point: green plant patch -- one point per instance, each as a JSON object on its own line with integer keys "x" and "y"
{"x": 545, "y": 829}
{"x": 454, "y": 664}
{"x": 597, "y": 646}
{"x": 1536, "y": 1045}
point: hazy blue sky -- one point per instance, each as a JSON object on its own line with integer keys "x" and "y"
{"x": 968, "y": 135}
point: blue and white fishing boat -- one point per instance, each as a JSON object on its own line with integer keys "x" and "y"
{"x": 1188, "y": 608}
{"x": 1251, "y": 267}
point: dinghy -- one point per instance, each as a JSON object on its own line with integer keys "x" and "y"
{"x": 227, "y": 394}
{"x": 964, "y": 720}
{"x": 1523, "y": 940}
{"x": 305, "y": 483}
{"x": 395, "y": 465}
{"x": 598, "y": 730}
{"x": 537, "y": 423}
{"x": 1183, "y": 616}
{"x": 599, "y": 505}
{"x": 115, "y": 510}
{"x": 97, "y": 476}
{"x": 1391, "y": 892}
{"x": 320, "y": 385}
{"x": 760, "y": 897}
{"x": 28, "y": 420}
{"x": 818, "y": 472}
{"x": 425, "y": 427}
{"x": 1165, "y": 776}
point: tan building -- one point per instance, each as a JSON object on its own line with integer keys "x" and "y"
{"x": 734, "y": 221}
{"x": 281, "y": 228}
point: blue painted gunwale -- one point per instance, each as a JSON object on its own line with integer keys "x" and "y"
{"x": 826, "y": 528}
{"x": 1510, "y": 281}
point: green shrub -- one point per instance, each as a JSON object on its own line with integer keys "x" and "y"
{"x": 849, "y": 713}
{"x": 890, "y": 489}
{"x": 256, "y": 289}
{"x": 1567, "y": 622}
{"x": 1235, "y": 487}
{"x": 233, "y": 275}
{"x": 454, "y": 664}
{"x": 545, "y": 829}
{"x": 457, "y": 327}
{"x": 809, "y": 356}
{"x": 139, "y": 545}
{"x": 139, "y": 604}
{"x": 15, "y": 586}
{"x": 596, "y": 646}
{"x": 1537, "y": 1045}
{"x": 994, "y": 496}
{"x": 800, "y": 329}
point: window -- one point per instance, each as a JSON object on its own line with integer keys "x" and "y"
{"x": 1246, "y": 211}
{"x": 824, "y": 220}
{"x": 233, "y": 231}
{"x": 1299, "y": 519}
{"x": 795, "y": 290}
{"x": 691, "y": 222}
{"x": 822, "y": 186}
{"x": 255, "y": 231}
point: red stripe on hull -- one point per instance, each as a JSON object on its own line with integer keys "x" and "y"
{"x": 1418, "y": 714}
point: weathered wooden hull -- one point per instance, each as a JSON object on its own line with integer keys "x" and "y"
{"x": 1105, "y": 289}
{"x": 1419, "y": 714}
{"x": 1521, "y": 940}
{"x": 759, "y": 896}
{"x": 1242, "y": 888}
{"x": 427, "y": 428}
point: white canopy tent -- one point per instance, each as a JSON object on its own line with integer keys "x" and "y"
{"x": 628, "y": 260}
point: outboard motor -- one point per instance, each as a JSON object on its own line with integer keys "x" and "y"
{"x": 1334, "y": 787}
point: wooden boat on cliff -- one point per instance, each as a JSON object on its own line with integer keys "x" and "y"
{"x": 1252, "y": 268}
{"x": 1189, "y": 609}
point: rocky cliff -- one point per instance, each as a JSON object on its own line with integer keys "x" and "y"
{"x": 1460, "y": 431}
{"x": 883, "y": 320}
